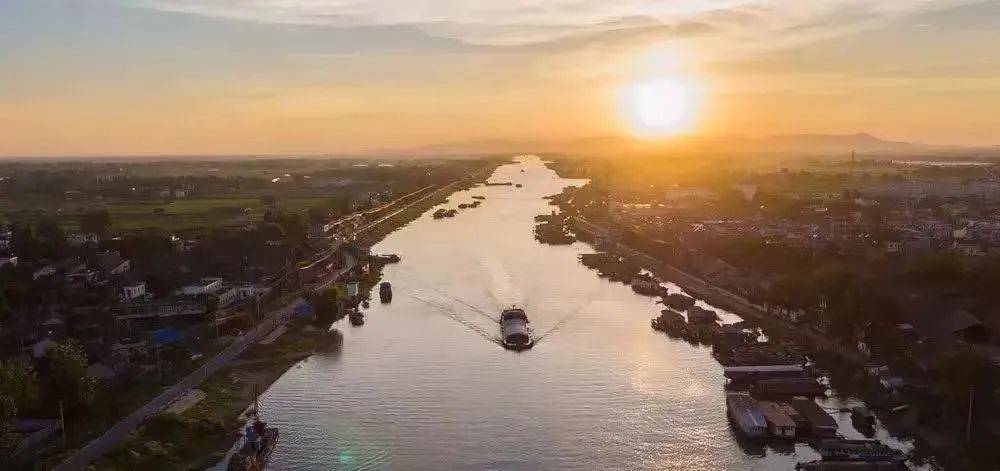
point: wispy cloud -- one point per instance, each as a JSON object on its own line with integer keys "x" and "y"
{"x": 525, "y": 22}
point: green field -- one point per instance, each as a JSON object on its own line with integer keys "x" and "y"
{"x": 182, "y": 214}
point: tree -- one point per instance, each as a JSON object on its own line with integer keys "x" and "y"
{"x": 18, "y": 382}
{"x": 67, "y": 379}
{"x": 96, "y": 221}
{"x": 938, "y": 266}
{"x": 325, "y": 306}
{"x": 8, "y": 439}
{"x": 340, "y": 205}
{"x": 968, "y": 377}
{"x": 48, "y": 229}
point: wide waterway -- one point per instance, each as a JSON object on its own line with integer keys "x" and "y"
{"x": 421, "y": 386}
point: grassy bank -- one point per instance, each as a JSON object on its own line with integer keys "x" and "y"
{"x": 200, "y": 436}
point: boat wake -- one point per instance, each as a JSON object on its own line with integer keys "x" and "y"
{"x": 563, "y": 321}
{"x": 451, "y": 314}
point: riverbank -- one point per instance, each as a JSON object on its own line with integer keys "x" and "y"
{"x": 200, "y": 436}
{"x": 785, "y": 341}
{"x": 165, "y": 441}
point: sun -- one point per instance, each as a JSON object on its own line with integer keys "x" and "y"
{"x": 658, "y": 108}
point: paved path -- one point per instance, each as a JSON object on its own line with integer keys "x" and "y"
{"x": 118, "y": 432}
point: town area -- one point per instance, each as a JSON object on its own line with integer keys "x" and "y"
{"x": 870, "y": 278}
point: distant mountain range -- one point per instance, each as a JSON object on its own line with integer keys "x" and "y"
{"x": 818, "y": 145}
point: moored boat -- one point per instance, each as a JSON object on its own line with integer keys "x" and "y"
{"x": 863, "y": 420}
{"x": 746, "y": 414}
{"x": 259, "y": 441}
{"x": 514, "y": 329}
{"x": 385, "y": 292}
{"x": 356, "y": 317}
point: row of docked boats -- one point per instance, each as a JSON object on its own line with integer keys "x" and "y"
{"x": 777, "y": 401}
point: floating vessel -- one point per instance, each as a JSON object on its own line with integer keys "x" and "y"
{"x": 514, "y": 329}
{"x": 259, "y": 441}
{"x": 746, "y": 414}
{"x": 356, "y": 317}
{"x": 385, "y": 292}
{"x": 387, "y": 258}
{"x": 838, "y": 449}
{"x": 863, "y": 420}
{"x": 645, "y": 285}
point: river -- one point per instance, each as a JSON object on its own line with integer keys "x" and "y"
{"x": 422, "y": 387}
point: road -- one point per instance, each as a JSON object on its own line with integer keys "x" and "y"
{"x": 112, "y": 437}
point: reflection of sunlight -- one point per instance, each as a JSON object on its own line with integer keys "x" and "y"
{"x": 654, "y": 376}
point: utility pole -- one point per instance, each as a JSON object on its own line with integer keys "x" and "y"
{"x": 62, "y": 422}
{"x": 968, "y": 422}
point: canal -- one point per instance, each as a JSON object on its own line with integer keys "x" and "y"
{"x": 421, "y": 386}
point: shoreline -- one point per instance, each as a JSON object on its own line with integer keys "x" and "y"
{"x": 206, "y": 434}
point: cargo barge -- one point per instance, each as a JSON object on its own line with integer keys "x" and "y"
{"x": 514, "y": 329}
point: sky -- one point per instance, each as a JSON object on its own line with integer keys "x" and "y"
{"x": 202, "y": 77}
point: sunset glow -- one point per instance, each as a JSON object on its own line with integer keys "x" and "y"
{"x": 660, "y": 107}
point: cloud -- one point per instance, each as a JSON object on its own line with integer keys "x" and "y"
{"x": 506, "y": 23}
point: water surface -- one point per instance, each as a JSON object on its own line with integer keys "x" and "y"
{"x": 422, "y": 387}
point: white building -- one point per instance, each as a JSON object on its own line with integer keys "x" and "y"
{"x": 203, "y": 286}
{"x": 133, "y": 291}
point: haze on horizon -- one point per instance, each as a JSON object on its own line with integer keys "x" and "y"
{"x": 159, "y": 77}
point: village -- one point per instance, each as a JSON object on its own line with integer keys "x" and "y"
{"x": 96, "y": 319}
{"x": 879, "y": 290}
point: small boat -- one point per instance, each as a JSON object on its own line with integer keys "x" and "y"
{"x": 387, "y": 258}
{"x": 839, "y": 449}
{"x": 385, "y": 292}
{"x": 477, "y": 197}
{"x": 356, "y": 317}
{"x": 259, "y": 441}
{"x": 645, "y": 285}
{"x": 515, "y": 330}
{"x": 518, "y": 185}
{"x": 863, "y": 420}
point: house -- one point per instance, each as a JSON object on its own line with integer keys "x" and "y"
{"x": 133, "y": 291}
{"x": 46, "y": 270}
{"x": 163, "y": 309}
{"x": 968, "y": 249}
{"x": 201, "y": 287}
{"x": 128, "y": 352}
{"x": 81, "y": 277}
{"x": 227, "y": 295}
{"x": 39, "y": 349}
{"x": 101, "y": 371}
{"x": 892, "y": 384}
{"x": 78, "y": 239}
{"x": 965, "y": 326}
{"x": 111, "y": 263}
